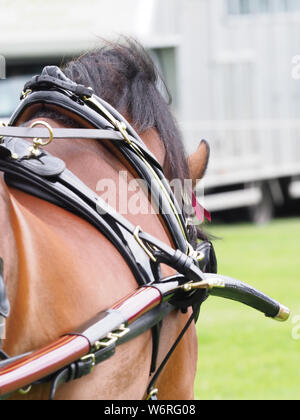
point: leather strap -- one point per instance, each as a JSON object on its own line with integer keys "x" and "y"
{"x": 62, "y": 133}
{"x": 76, "y": 133}
{"x": 166, "y": 359}
{"x": 69, "y": 192}
{"x": 53, "y": 76}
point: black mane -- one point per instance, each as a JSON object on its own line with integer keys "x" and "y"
{"x": 124, "y": 75}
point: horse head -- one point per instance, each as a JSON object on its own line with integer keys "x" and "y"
{"x": 70, "y": 258}
{"x": 64, "y": 270}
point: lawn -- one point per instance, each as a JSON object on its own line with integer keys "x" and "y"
{"x": 242, "y": 354}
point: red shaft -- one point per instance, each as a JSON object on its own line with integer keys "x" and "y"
{"x": 70, "y": 348}
{"x": 141, "y": 301}
{"x": 43, "y": 362}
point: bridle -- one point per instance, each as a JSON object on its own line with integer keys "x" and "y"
{"x": 30, "y": 168}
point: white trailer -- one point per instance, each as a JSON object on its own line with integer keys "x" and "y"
{"x": 248, "y": 89}
{"x": 231, "y": 66}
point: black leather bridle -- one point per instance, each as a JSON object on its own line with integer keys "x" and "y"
{"x": 46, "y": 177}
{"x": 31, "y": 169}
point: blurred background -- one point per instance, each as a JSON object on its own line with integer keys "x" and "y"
{"x": 233, "y": 68}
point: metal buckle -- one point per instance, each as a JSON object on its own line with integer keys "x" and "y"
{"x": 136, "y": 232}
{"x": 34, "y": 149}
{"x": 112, "y": 337}
{"x": 121, "y": 331}
{"x": 92, "y": 357}
{"x": 106, "y": 341}
{"x": 27, "y": 92}
{"x": 152, "y": 393}
{"x": 25, "y": 391}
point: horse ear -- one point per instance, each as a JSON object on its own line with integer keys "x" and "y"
{"x": 198, "y": 162}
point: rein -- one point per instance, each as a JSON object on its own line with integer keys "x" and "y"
{"x": 34, "y": 171}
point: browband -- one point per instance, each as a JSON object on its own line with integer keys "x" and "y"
{"x": 76, "y": 133}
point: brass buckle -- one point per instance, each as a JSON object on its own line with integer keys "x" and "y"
{"x": 152, "y": 393}
{"x": 136, "y": 232}
{"x": 25, "y": 391}
{"x": 112, "y": 337}
{"x": 27, "y": 92}
{"x": 106, "y": 341}
{"x": 121, "y": 331}
{"x": 92, "y": 358}
{"x": 34, "y": 149}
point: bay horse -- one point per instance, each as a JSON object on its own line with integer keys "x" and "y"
{"x": 60, "y": 271}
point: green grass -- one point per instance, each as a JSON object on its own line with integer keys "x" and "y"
{"x": 242, "y": 354}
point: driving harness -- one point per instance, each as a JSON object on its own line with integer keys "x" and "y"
{"x": 31, "y": 169}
